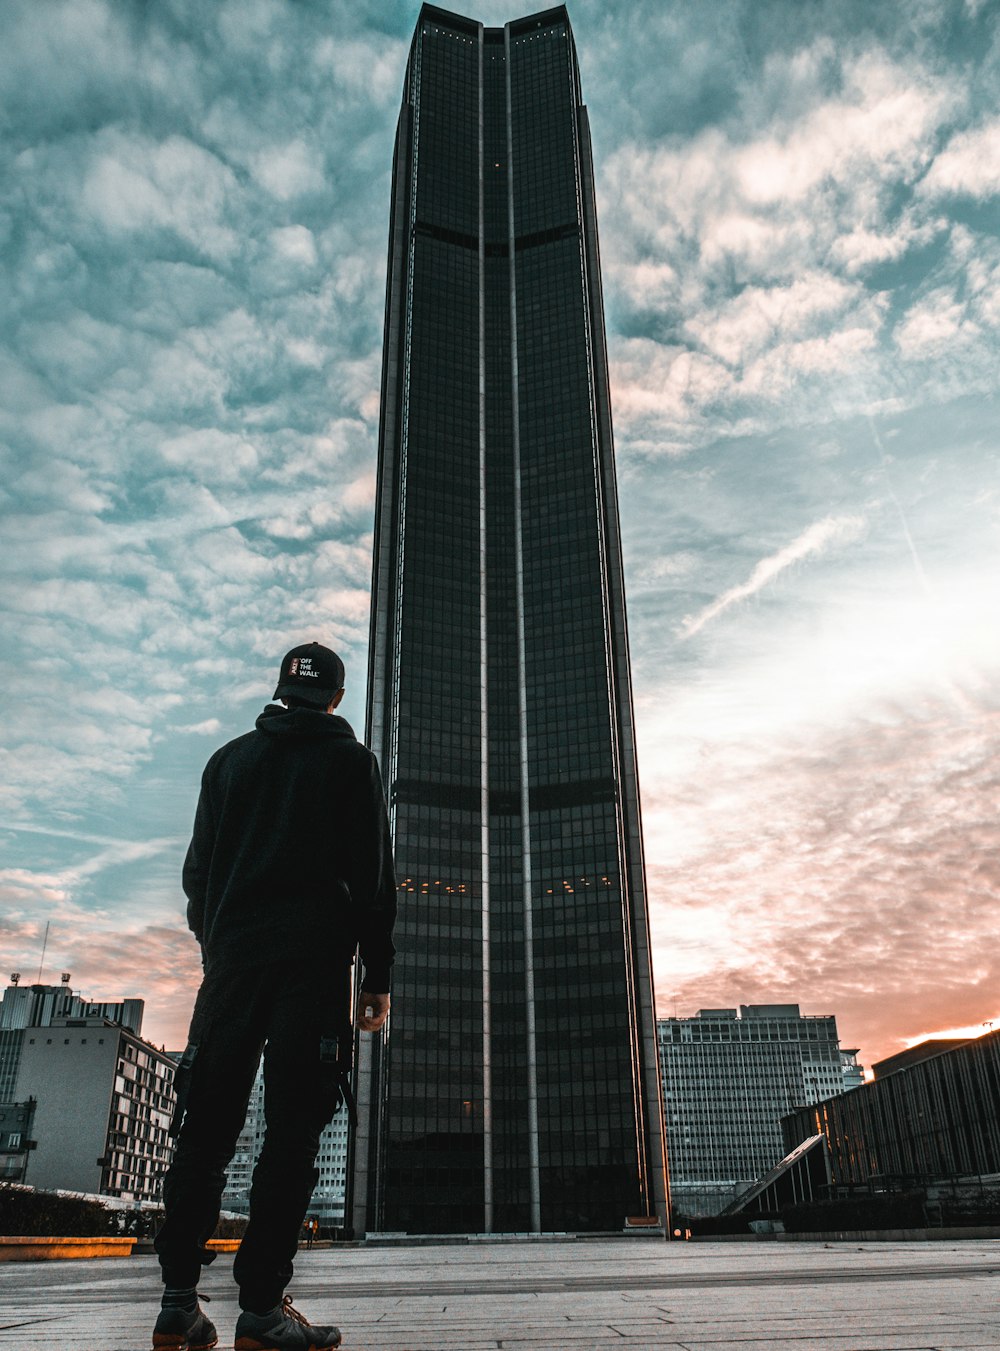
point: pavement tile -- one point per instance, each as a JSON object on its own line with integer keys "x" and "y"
{"x": 563, "y": 1296}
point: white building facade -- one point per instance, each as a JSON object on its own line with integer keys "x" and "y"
{"x": 327, "y": 1204}
{"x": 729, "y": 1076}
{"x": 103, "y": 1099}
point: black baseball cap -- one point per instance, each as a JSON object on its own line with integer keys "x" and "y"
{"x": 311, "y": 673}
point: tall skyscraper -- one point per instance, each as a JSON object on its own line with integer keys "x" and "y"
{"x": 518, "y": 1086}
{"x": 728, "y": 1079}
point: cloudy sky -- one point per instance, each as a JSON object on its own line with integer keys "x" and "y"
{"x": 801, "y": 242}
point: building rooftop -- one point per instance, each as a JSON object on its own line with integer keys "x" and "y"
{"x": 913, "y": 1055}
{"x": 780, "y": 1012}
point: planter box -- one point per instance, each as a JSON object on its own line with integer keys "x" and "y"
{"x": 28, "y": 1248}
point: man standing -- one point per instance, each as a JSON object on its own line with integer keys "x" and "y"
{"x": 289, "y": 872}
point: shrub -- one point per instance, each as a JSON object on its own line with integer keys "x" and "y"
{"x": 231, "y": 1228}
{"x": 25, "y": 1212}
{"x": 981, "y": 1208}
{"x": 896, "y": 1210}
{"x": 34, "y": 1214}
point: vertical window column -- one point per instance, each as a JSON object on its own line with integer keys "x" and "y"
{"x": 522, "y": 697}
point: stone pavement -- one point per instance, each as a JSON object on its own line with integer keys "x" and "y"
{"x": 559, "y": 1296}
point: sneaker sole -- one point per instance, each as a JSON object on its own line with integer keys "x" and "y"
{"x": 165, "y": 1341}
{"x": 252, "y": 1344}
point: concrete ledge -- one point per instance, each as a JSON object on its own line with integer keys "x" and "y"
{"x": 29, "y": 1248}
{"x": 394, "y": 1240}
{"x": 144, "y": 1246}
{"x": 948, "y": 1235}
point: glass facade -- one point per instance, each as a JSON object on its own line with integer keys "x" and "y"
{"x": 517, "y": 1087}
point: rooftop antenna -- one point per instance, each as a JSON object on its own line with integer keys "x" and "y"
{"x": 45, "y": 943}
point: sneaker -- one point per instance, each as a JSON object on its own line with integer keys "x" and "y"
{"x": 283, "y": 1329}
{"x": 184, "y": 1330}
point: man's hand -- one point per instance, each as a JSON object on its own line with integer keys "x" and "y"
{"x": 373, "y": 1009}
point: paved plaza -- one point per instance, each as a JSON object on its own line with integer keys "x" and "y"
{"x": 524, "y": 1296}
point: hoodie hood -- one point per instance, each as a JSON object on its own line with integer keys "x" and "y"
{"x": 276, "y": 720}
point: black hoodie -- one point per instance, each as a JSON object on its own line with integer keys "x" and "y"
{"x": 291, "y": 859}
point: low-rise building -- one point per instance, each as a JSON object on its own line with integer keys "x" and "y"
{"x": 16, "y": 1122}
{"x": 23, "y": 1006}
{"x": 931, "y": 1114}
{"x": 101, "y": 1097}
{"x": 103, "y": 1103}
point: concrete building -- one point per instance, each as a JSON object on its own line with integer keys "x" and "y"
{"x": 729, "y": 1076}
{"x": 327, "y": 1203}
{"x": 23, "y": 1006}
{"x": 103, "y": 1102}
{"x": 100, "y": 1097}
{"x": 17, "y": 1121}
{"x": 518, "y": 1089}
{"x": 931, "y": 1114}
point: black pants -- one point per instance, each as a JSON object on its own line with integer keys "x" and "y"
{"x": 236, "y": 1015}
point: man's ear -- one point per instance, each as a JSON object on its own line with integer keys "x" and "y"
{"x": 335, "y": 701}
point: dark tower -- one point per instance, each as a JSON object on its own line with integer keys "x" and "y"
{"x": 518, "y": 1086}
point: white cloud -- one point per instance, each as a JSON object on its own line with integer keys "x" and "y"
{"x": 134, "y": 183}
{"x": 749, "y": 241}
{"x": 296, "y": 243}
{"x": 213, "y": 455}
{"x": 817, "y": 538}
{"x": 27, "y": 887}
{"x": 968, "y": 166}
{"x": 365, "y": 69}
{"x": 933, "y": 324}
{"x": 668, "y": 386}
{"x": 290, "y": 170}
{"x": 867, "y": 246}
{"x": 209, "y": 727}
{"x": 669, "y": 565}
{"x": 727, "y": 192}
{"x": 761, "y": 316}
{"x": 18, "y": 885}
{"x": 305, "y": 352}
{"x": 66, "y": 483}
